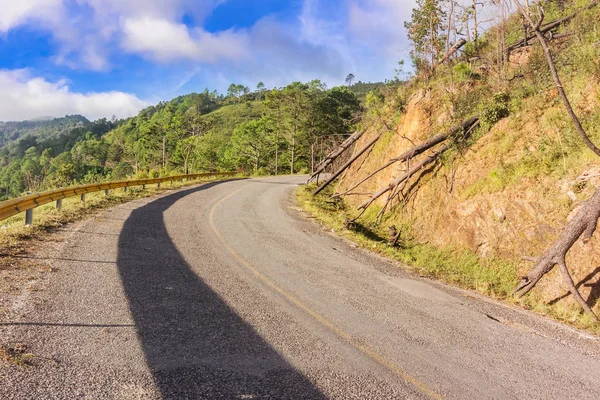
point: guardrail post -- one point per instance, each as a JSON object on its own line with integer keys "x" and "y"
{"x": 29, "y": 217}
{"x": 158, "y": 185}
{"x": 58, "y": 204}
{"x": 106, "y": 192}
{"x": 124, "y": 188}
{"x": 82, "y": 196}
{"x": 143, "y": 187}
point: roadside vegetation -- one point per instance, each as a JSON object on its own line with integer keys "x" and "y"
{"x": 493, "y": 277}
{"x": 261, "y": 131}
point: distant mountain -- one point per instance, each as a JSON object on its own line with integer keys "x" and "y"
{"x": 38, "y": 119}
{"x": 40, "y": 128}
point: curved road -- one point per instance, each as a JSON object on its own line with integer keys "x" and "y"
{"x": 225, "y": 291}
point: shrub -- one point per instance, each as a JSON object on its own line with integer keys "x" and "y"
{"x": 142, "y": 175}
{"x": 374, "y": 98}
{"x": 464, "y": 71}
{"x": 122, "y": 170}
{"x": 473, "y": 48}
{"x": 494, "y": 110}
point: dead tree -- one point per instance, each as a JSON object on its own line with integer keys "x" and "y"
{"x": 348, "y": 163}
{"x": 583, "y": 225}
{"x": 451, "y": 51}
{"x": 418, "y": 149}
{"x": 330, "y": 158}
{"x": 451, "y": 22}
{"x": 549, "y": 27}
{"x": 585, "y": 221}
{"x": 561, "y": 92}
{"x": 404, "y": 177}
{"x": 466, "y": 129}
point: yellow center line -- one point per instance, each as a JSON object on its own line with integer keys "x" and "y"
{"x": 318, "y": 317}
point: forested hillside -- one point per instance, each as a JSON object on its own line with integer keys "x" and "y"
{"x": 48, "y": 128}
{"x": 283, "y": 130}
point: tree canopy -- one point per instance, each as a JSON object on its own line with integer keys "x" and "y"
{"x": 261, "y": 131}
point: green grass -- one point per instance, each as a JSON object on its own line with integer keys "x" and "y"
{"x": 555, "y": 156}
{"x": 463, "y": 268}
{"x": 13, "y": 229}
{"x": 460, "y": 267}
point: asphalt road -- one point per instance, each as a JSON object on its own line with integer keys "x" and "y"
{"x": 226, "y": 291}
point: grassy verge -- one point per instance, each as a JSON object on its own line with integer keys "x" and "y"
{"x": 492, "y": 277}
{"x": 13, "y": 229}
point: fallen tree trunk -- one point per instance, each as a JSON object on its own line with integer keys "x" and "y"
{"x": 399, "y": 191}
{"x": 550, "y": 26}
{"x": 418, "y": 149}
{"x": 582, "y": 225}
{"x": 452, "y": 50}
{"x": 407, "y": 175}
{"x": 429, "y": 143}
{"x": 347, "y": 164}
{"x": 330, "y": 158}
{"x": 467, "y": 127}
{"x": 372, "y": 174}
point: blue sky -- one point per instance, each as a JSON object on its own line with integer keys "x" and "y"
{"x": 112, "y": 57}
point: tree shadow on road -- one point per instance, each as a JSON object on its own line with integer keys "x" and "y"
{"x": 195, "y": 345}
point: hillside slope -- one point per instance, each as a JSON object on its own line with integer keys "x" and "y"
{"x": 509, "y": 190}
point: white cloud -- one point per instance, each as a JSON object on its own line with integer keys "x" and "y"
{"x": 24, "y": 96}
{"x": 166, "y": 9}
{"x": 17, "y": 12}
{"x": 87, "y": 32}
{"x": 325, "y": 41}
{"x": 159, "y": 38}
{"x": 367, "y": 35}
{"x": 162, "y": 40}
{"x": 381, "y": 20}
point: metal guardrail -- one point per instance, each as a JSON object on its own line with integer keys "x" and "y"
{"x": 27, "y": 203}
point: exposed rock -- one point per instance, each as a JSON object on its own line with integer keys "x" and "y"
{"x": 485, "y": 212}
{"x": 591, "y": 176}
{"x": 499, "y": 213}
{"x": 484, "y": 249}
{"x": 467, "y": 208}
